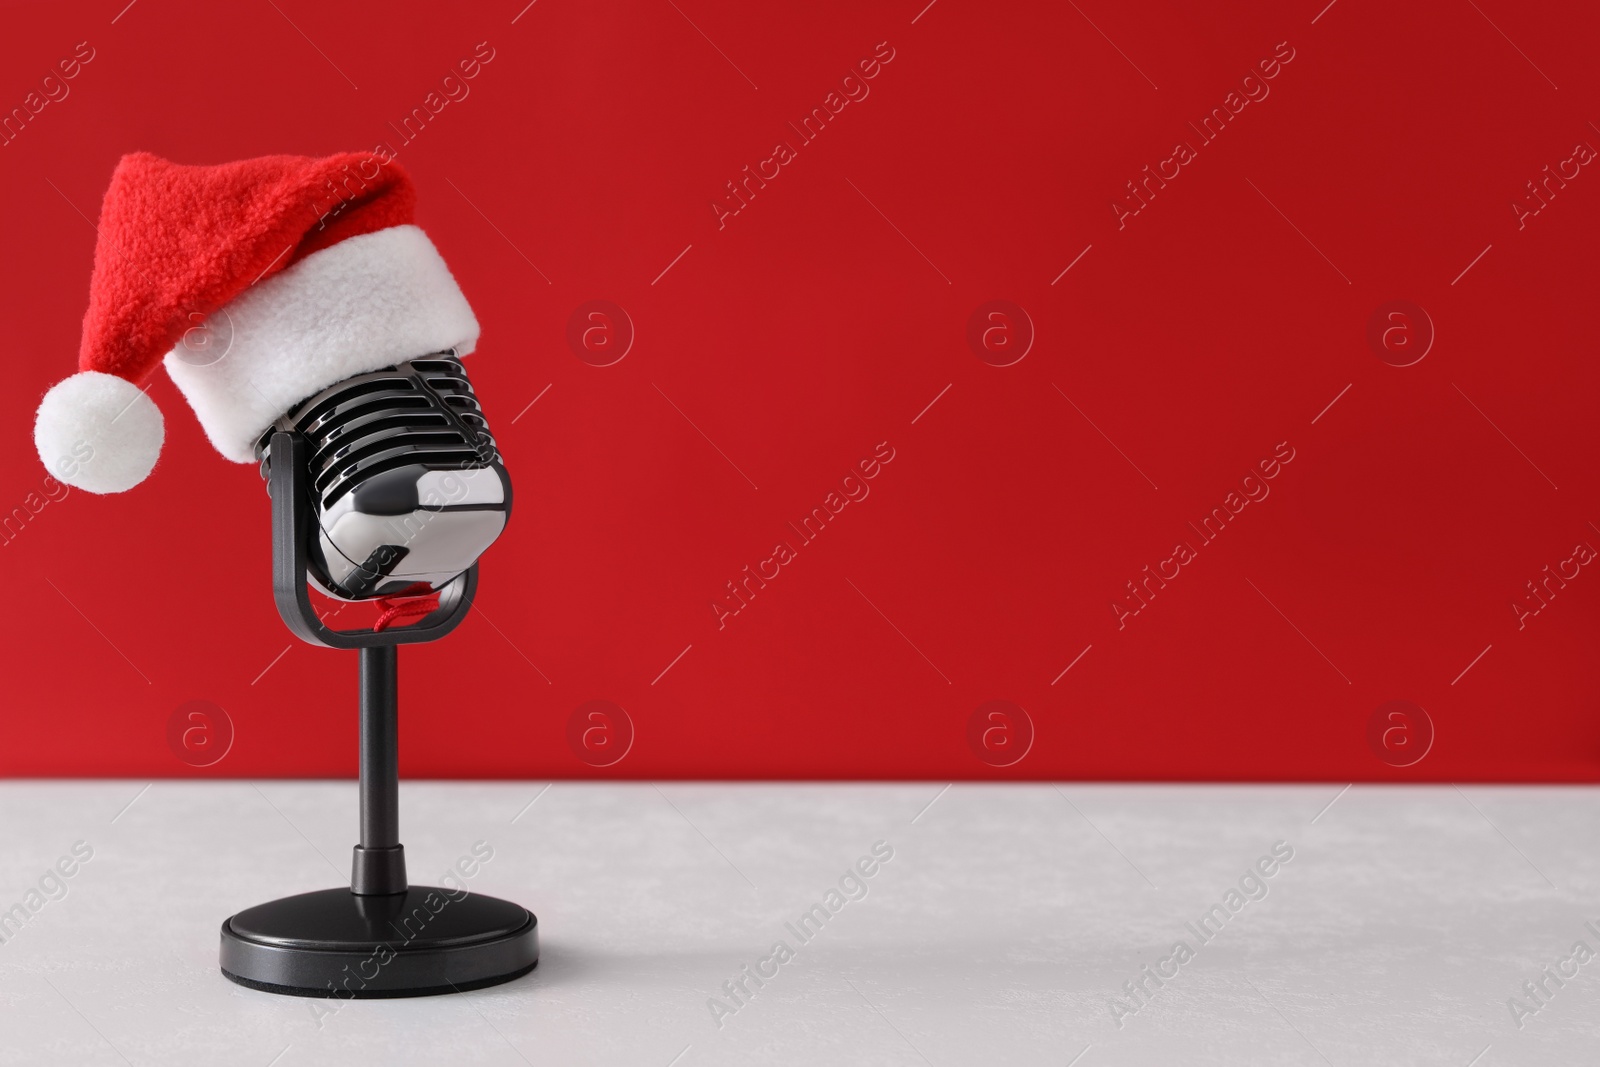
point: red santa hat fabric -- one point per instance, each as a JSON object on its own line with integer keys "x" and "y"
{"x": 258, "y": 283}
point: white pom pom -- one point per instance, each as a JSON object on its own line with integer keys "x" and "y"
{"x": 98, "y": 432}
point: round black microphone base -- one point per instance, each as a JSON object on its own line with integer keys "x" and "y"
{"x": 334, "y": 943}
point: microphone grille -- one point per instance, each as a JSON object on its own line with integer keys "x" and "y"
{"x": 418, "y": 412}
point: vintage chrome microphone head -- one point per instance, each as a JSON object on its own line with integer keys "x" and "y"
{"x": 405, "y": 480}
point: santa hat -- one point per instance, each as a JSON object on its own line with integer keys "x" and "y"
{"x": 259, "y": 283}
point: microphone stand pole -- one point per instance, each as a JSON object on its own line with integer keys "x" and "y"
{"x": 379, "y": 866}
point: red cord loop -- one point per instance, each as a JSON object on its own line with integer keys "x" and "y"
{"x": 412, "y": 602}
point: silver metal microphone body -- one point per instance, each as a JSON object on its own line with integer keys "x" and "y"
{"x": 406, "y": 483}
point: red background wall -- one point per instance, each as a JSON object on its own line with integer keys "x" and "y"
{"x": 1186, "y": 342}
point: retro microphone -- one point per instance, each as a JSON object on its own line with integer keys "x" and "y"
{"x": 386, "y": 485}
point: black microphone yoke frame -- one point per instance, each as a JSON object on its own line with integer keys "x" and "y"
{"x": 381, "y": 937}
